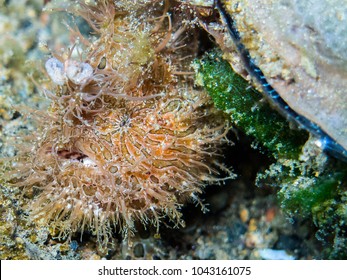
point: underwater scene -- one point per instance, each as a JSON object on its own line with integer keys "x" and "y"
{"x": 173, "y": 129}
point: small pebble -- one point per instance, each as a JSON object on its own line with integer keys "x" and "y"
{"x": 95, "y": 257}
{"x": 74, "y": 245}
{"x": 252, "y": 225}
{"x": 270, "y": 214}
{"x": 139, "y": 251}
{"x": 270, "y": 254}
{"x": 244, "y": 215}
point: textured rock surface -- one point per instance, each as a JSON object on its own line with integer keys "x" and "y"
{"x": 301, "y": 48}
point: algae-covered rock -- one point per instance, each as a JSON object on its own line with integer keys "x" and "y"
{"x": 300, "y": 48}
{"x": 232, "y": 94}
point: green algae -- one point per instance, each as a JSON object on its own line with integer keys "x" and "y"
{"x": 307, "y": 198}
{"x": 323, "y": 200}
{"x": 232, "y": 94}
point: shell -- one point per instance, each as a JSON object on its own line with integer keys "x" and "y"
{"x": 300, "y": 49}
